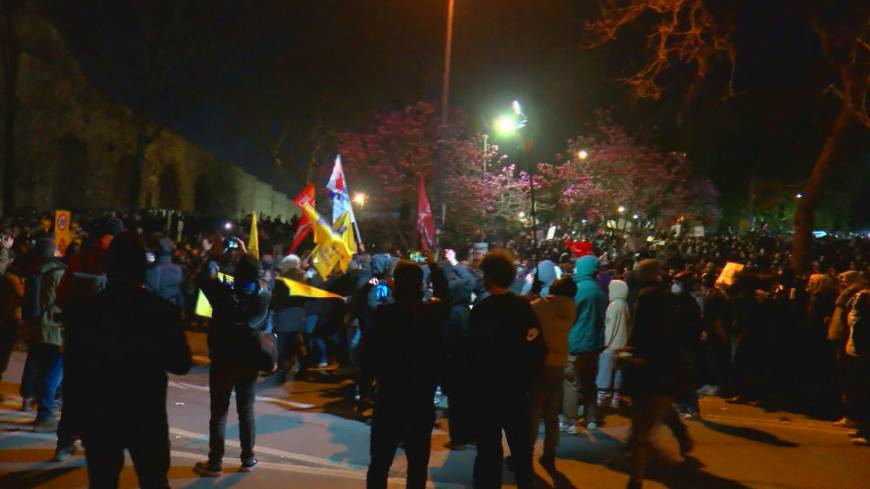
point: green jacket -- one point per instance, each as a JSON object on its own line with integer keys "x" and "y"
{"x": 48, "y": 328}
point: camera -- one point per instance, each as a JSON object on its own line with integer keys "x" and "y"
{"x": 231, "y": 244}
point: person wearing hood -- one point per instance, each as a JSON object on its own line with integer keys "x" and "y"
{"x": 616, "y": 331}
{"x": 556, "y": 314}
{"x": 240, "y": 314}
{"x": 858, "y": 366}
{"x": 165, "y": 278}
{"x": 128, "y": 338}
{"x": 585, "y": 343}
{"x": 43, "y": 369}
{"x": 851, "y": 282}
{"x": 653, "y": 367}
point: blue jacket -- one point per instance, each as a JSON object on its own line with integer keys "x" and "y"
{"x": 587, "y": 334}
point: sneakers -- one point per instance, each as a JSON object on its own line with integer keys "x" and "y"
{"x": 61, "y": 454}
{"x": 564, "y": 427}
{"x": 709, "y": 390}
{"x": 592, "y": 426}
{"x": 690, "y": 416}
{"x": 603, "y": 398}
{"x": 861, "y": 441}
{"x": 572, "y": 430}
{"x": 322, "y": 364}
{"x": 615, "y": 400}
{"x": 845, "y": 422}
{"x": 208, "y": 469}
{"x": 248, "y": 465}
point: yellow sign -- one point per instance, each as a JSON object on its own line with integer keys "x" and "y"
{"x": 62, "y": 230}
{"x": 300, "y": 289}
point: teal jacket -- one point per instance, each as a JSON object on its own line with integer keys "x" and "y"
{"x": 587, "y": 334}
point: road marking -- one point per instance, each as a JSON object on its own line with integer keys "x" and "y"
{"x": 343, "y": 472}
{"x": 284, "y": 402}
{"x": 299, "y": 457}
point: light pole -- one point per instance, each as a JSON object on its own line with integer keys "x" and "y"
{"x": 512, "y": 124}
{"x": 445, "y": 102}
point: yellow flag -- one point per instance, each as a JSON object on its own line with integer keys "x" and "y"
{"x": 344, "y": 227}
{"x": 203, "y": 306}
{"x": 331, "y": 249}
{"x": 300, "y": 289}
{"x": 254, "y": 239}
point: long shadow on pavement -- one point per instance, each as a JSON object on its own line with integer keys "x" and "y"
{"x": 750, "y": 434}
{"x": 611, "y": 453}
{"x": 32, "y": 478}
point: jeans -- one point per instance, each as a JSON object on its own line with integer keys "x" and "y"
{"x": 105, "y": 460}
{"x": 223, "y": 379}
{"x": 648, "y": 411}
{"x": 414, "y": 431}
{"x": 314, "y": 340}
{"x": 580, "y": 383}
{"x": 288, "y": 348}
{"x": 43, "y": 373}
{"x": 546, "y": 402}
{"x": 510, "y": 413}
{"x": 608, "y": 376}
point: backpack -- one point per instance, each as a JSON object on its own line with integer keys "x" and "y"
{"x": 31, "y": 304}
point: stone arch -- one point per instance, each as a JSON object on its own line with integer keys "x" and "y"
{"x": 169, "y": 188}
{"x": 70, "y": 186}
{"x": 205, "y": 200}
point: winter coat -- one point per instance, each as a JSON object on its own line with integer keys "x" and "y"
{"x": 655, "y": 343}
{"x": 11, "y": 294}
{"x": 556, "y": 315}
{"x": 587, "y": 334}
{"x": 46, "y": 328}
{"x": 288, "y": 312}
{"x": 616, "y": 321}
{"x": 838, "y": 327}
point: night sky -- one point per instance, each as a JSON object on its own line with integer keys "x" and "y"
{"x": 256, "y": 67}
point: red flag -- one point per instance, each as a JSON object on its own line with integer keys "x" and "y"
{"x": 425, "y": 223}
{"x": 304, "y": 197}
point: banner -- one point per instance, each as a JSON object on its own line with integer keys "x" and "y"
{"x": 340, "y": 193}
{"x": 344, "y": 228}
{"x": 62, "y": 232}
{"x": 729, "y": 273}
{"x": 304, "y": 226}
{"x": 425, "y": 223}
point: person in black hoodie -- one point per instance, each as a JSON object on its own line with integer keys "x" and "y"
{"x": 653, "y": 370}
{"x": 128, "y": 338}
{"x": 240, "y": 313}
{"x": 404, "y": 351}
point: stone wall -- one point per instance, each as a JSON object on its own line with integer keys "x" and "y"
{"x": 75, "y": 147}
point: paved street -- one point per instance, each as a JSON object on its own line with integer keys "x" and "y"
{"x": 308, "y": 437}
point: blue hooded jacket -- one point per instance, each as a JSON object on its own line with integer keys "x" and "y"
{"x": 587, "y": 334}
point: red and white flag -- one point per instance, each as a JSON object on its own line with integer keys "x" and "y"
{"x": 425, "y": 222}
{"x": 304, "y": 227}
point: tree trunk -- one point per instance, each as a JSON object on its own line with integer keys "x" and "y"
{"x": 137, "y": 172}
{"x": 804, "y": 217}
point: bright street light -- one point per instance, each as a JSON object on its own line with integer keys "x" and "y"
{"x": 360, "y": 199}
{"x": 228, "y": 225}
{"x": 506, "y": 125}
{"x": 521, "y": 215}
{"x": 516, "y": 106}
{"x": 799, "y": 195}
{"x": 636, "y": 216}
{"x": 621, "y": 209}
{"x": 582, "y": 154}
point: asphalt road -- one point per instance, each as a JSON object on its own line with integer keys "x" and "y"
{"x": 309, "y": 437}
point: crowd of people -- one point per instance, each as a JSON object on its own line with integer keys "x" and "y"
{"x": 592, "y": 323}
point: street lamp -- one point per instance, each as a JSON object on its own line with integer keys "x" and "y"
{"x": 799, "y": 195}
{"x": 360, "y": 199}
{"x": 582, "y": 154}
{"x": 621, "y": 209}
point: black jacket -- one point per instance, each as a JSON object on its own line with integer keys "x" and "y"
{"x": 655, "y": 340}
{"x": 122, "y": 343}
{"x": 404, "y": 350}
{"x": 237, "y": 319}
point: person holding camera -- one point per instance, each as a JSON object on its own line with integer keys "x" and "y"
{"x": 240, "y": 312}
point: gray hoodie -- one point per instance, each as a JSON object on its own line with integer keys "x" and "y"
{"x": 616, "y": 320}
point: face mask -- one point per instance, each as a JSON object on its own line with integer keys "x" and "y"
{"x": 676, "y": 289}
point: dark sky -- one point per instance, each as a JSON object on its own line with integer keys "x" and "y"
{"x": 256, "y": 67}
